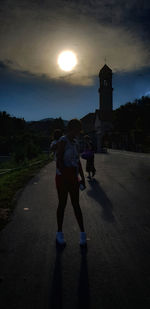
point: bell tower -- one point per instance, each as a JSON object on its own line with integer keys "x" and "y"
{"x": 105, "y": 94}
{"x": 103, "y": 116}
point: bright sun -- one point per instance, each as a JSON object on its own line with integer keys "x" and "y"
{"x": 67, "y": 60}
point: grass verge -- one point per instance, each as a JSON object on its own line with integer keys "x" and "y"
{"x": 15, "y": 180}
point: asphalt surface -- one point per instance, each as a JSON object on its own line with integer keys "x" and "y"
{"x": 114, "y": 272}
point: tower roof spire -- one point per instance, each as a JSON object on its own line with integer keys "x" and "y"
{"x": 105, "y": 69}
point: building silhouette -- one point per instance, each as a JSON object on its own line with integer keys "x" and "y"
{"x": 103, "y": 116}
{"x": 98, "y": 125}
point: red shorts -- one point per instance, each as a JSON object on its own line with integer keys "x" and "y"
{"x": 68, "y": 179}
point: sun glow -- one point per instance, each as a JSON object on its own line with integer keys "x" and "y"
{"x": 67, "y": 60}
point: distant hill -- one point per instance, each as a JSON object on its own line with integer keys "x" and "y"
{"x": 47, "y": 119}
{"x": 47, "y": 126}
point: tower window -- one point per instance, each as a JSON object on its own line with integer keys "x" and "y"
{"x": 105, "y": 82}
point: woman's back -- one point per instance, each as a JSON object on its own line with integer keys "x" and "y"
{"x": 71, "y": 152}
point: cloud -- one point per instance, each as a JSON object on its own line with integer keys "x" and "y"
{"x": 6, "y": 64}
{"x": 33, "y": 35}
{"x": 3, "y": 66}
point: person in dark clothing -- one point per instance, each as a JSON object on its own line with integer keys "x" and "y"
{"x": 67, "y": 179}
{"x": 89, "y": 148}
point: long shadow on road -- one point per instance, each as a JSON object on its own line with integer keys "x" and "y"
{"x": 83, "y": 287}
{"x": 56, "y": 300}
{"x": 55, "y": 296}
{"x": 97, "y": 193}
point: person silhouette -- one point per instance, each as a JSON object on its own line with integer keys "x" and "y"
{"x": 67, "y": 181}
{"x": 53, "y": 145}
{"x": 89, "y": 148}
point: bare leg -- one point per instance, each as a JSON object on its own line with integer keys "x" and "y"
{"x": 79, "y": 217}
{"x": 74, "y": 195}
{"x": 62, "y": 195}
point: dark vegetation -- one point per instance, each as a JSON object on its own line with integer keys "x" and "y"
{"x": 25, "y": 148}
{"x": 131, "y": 126}
{"x": 13, "y": 181}
{"x": 25, "y": 140}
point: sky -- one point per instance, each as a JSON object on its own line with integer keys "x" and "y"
{"x": 32, "y": 35}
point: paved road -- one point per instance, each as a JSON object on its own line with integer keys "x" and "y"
{"x": 113, "y": 273}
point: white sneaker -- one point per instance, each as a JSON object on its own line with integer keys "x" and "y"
{"x": 60, "y": 238}
{"x": 83, "y": 239}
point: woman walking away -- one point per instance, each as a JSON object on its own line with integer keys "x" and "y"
{"x": 67, "y": 181}
{"x": 90, "y": 168}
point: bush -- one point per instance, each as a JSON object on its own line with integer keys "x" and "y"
{"x": 25, "y": 148}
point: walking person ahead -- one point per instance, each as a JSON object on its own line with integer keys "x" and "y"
{"x": 67, "y": 181}
{"x": 89, "y": 148}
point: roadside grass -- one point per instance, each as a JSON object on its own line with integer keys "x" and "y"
{"x": 12, "y": 182}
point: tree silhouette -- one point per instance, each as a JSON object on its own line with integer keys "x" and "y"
{"x": 131, "y": 125}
